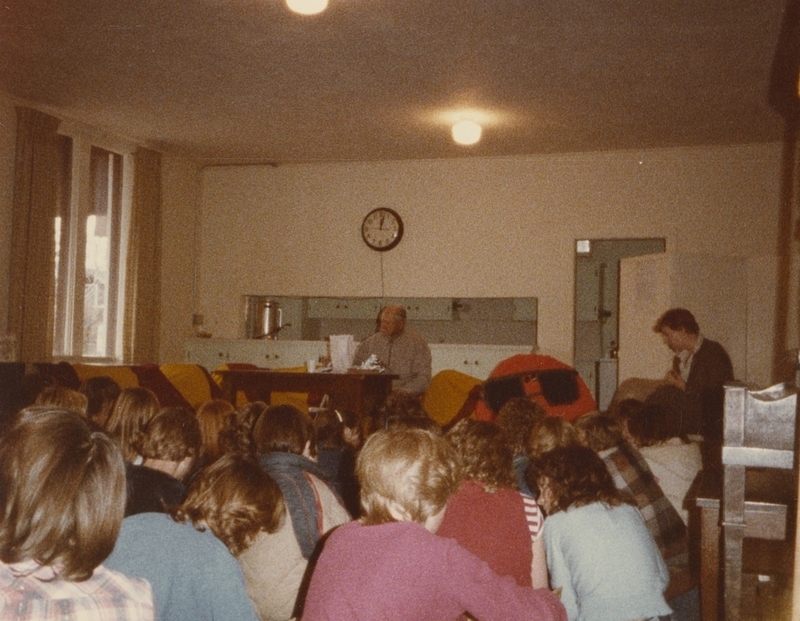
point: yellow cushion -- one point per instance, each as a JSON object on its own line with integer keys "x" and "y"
{"x": 122, "y": 375}
{"x": 190, "y": 381}
{"x": 447, "y": 393}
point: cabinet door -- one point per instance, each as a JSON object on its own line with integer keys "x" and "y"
{"x": 432, "y": 309}
{"x": 210, "y": 353}
{"x": 343, "y": 308}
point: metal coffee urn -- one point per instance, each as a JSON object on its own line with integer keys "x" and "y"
{"x": 263, "y": 317}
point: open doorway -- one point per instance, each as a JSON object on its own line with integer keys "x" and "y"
{"x": 596, "y": 333}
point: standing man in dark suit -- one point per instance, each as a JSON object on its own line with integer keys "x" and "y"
{"x": 700, "y": 369}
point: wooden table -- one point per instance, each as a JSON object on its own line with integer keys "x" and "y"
{"x": 765, "y": 515}
{"x": 359, "y": 391}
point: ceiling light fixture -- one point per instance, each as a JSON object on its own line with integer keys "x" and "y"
{"x": 307, "y": 7}
{"x": 466, "y": 132}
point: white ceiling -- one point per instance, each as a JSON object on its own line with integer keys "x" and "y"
{"x": 246, "y": 80}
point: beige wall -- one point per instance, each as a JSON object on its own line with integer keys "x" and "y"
{"x": 474, "y": 227}
{"x": 8, "y": 136}
{"x": 180, "y": 187}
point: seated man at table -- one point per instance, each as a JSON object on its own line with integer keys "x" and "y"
{"x": 401, "y": 351}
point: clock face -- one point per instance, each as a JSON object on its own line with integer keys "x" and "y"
{"x": 382, "y": 229}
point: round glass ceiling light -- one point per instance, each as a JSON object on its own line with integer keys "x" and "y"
{"x": 307, "y": 7}
{"x": 466, "y": 132}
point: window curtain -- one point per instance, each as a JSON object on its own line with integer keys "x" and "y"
{"x": 31, "y": 291}
{"x": 143, "y": 263}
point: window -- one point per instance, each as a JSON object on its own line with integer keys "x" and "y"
{"x": 92, "y": 207}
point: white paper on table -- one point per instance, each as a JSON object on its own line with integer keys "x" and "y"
{"x": 343, "y": 350}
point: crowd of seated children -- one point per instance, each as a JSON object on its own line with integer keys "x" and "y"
{"x": 169, "y": 445}
{"x": 62, "y": 498}
{"x": 674, "y": 459}
{"x": 134, "y": 408}
{"x": 212, "y": 416}
{"x": 516, "y": 419}
{"x": 599, "y": 551}
{"x": 390, "y": 565}
{"x": 488, "y": 515}
{"x": 248, "y": 540}
{"x": 101, "y": 393}
{"x": 338, "y": 441}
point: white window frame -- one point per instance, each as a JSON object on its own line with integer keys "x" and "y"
{"x": 73, "y": 245}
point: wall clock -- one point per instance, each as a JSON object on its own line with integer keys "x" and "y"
{"x": 382, "y": 229}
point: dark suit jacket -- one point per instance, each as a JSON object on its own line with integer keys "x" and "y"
{"x": 711, "y": 369}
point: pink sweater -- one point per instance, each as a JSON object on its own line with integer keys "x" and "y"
{"x": 401, "y": 572}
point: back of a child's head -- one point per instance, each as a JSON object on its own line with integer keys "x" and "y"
{"x": 213, "y": 416}
{"x": 62, "y": 492}
{"x": 484, "y": 452}
{"x": 599, "y": 431}
{"x": 284, "y": 429}
{"x": 652, "y": 424}
{"x": 516, "y": 418}
{"x": 416, "y": 470}
{"x": 134, "y": 408}
{"x": 548, "y": 433}
{"x": 101, "y": 392}
{"x": 236, "y": 499}
{"x": 172, "y": 435}
{"x": 236, "y": 436}
{"x": 575, "y": 476}
{"x": 404, "y": 411}
{"x": 63, "y": 397}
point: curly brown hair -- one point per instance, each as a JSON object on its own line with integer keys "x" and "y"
{"x": 516, "y": 418}
{"x": 172, "y": 435}
{"x": 236, "y": 499}
{"x": 485, "y": 454}
{"x": 237, "y": 434}
{"x": 575, "y": 476}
